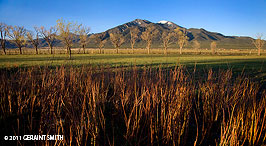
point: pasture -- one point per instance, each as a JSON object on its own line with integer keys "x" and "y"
{"x": 134, "y": 99}
{"x": 238, "y": 60}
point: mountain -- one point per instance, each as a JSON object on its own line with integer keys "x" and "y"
{"x": 201, "y": 35}
{"x": 141, "y": 25}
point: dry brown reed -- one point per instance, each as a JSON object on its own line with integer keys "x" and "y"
{"x": 149, "y": 106}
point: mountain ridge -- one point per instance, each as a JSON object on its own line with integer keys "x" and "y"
{"x": 199, "y": 34}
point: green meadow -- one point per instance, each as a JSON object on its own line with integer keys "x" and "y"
{"x": 116, "y": 60}
{"x": 250, "y": 63}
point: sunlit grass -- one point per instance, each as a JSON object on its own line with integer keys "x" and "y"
{"x": 122, "y": 59}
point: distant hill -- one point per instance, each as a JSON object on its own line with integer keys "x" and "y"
{"x": 203, "y": 36}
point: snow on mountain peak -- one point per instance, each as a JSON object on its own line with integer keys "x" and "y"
{"x": 165, "y": 22}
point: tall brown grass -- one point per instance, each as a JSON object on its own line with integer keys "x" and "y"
{"x": 149, "y": 106}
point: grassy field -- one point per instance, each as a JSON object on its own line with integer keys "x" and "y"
{"x": 252, "y": 63}
{"x": 135, "y": 99}
{"x": 125, "y": 59}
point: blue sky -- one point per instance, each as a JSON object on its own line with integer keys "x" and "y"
{"x": 229, "y": 17}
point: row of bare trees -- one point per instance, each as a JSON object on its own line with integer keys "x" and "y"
{"x": 68, "y": 32}
{"x": 148, "y": 36}
{"x": 167, "y": 38}
{"x": 19, "y": 36}
{"x": 16, "y": 34}
{"x": 177, "y": 36}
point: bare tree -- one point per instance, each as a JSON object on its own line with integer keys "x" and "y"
{"x": 3, "y": 35}
{"x": 133, "y": 37}
{"x": 166, "y": 37}
{"x": 182, "y": 38}
{"x": 259, "y": 42}
{"x": 213, "y": 47}
{"x": 196, "y": 45}
{"x": 148, "y": 35}
{"x": 17, "y": 35}
{"x": 100, "y": 40}
{"x": 83, "y": 33}
{"x": 34, "y": 39}
{"x": 117, "y": 40}
{"x": 66, "y": 33}
{"x": 48, "y": 35}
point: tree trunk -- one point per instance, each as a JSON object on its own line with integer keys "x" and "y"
{"x": 20, "y": 50}
{"x": 69, "y": 51}
{"x": 36, "y": 48}
{"x": 4, "y": 48}
{"x": 213, "y": 51}
{"x": 148, "y": 46}
{"x": 148, "y": 50}
{"x": 180, "y": 50}
{"x": 83, "y": 46}
{"x": 259, "y": 51}
{"x": 165, "y": 50}
{"x": 51, "y": 48}
{"x": 116, "y": 50}
{"x": 132, "y": 47}
{"x": 100, "y": 50}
